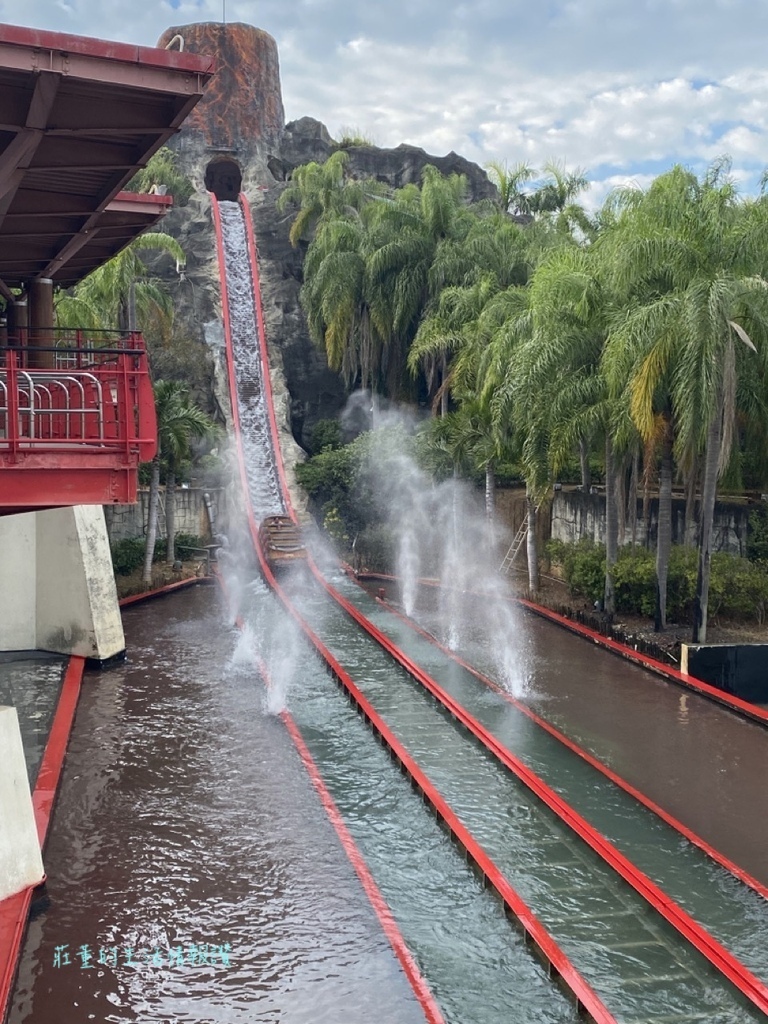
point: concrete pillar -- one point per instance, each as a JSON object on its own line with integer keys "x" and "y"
{"x": 18, "y": 582}
{"x": 76, "y": 598}
{"x": 41, "y": 322}
{"x": 20, "y": 862}
{"x": 57, "y": 588}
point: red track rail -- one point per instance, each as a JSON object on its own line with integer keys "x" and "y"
{"x": 673, "y": 675}
{"x": 389, "y": 925}
{"x": 558, "y": 963}
{"x": 698, "y": 686}
{"x": 743, "y": 979}
{"x": 646, "y": 801}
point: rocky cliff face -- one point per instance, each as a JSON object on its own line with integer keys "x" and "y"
{"x": 236, "y": 139}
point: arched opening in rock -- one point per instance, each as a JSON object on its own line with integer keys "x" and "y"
{"x": 224, "y": 178}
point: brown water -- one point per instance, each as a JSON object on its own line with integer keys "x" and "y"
{"x": 186, "y": 820}
{"x": 697, "y": 760}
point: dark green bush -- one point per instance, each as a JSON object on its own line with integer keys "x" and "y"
{"x": 325, "y": 434}
{"x": 738, "y": 589}
{"x": 757, "y": 534}
{"x": 583, "y": 566}
{"x": 128, "y": 555}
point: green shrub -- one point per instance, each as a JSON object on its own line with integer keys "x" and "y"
{"x": 325, "y": 434}
{"x": 738, "y": 588}
{"x": 128, "y": 555}
{"x": 634, "y": 578}
{"x": 583, "y": 566}
{"x": 757, "y": 534}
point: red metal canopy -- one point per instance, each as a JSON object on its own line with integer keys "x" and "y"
{"x": 78, "y": 118}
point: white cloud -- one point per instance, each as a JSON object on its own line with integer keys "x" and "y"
{"x": 623, "y": 89}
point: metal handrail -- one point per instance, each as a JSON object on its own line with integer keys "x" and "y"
{"x": 102, "y": 404}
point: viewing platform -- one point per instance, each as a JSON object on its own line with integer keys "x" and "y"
{"x": 77, "y": 416}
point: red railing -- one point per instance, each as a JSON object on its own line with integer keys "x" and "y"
{"x": 76, "y": 390}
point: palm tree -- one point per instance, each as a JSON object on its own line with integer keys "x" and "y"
{"x": 179, "y": 422}
{"x": 509, "y": 182}
{"x": 119, "y": 295}
{"x": 690, "y": 255}
{"x": 323, "y": 192}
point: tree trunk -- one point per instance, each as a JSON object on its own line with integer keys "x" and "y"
{"x": 531, "y": 546}
{"x": 170, "y": 515}
{"x": 708, "y": 495}
{"x": 444, "y": 389}
{"x": 689, "y": 528}
{"x": 154, "y": 494}
{"x": 586, "y": 472}
{"x": 490, "y": 499}
{"x": 633, "y": 498}
{"x": 621, "y": 504}
{"x": 611, "y": 529}
{"x": 664, "y": 539}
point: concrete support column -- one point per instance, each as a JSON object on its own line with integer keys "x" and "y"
{"x": 41, "y": 322}
{"x": 20, "y": 862}
{"x": 57, "y": 587}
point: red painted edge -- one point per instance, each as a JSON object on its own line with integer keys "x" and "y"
{"x": 266, "y": 378}
{"x": 416, "y": 979}
{"x": 724, "y": 961}
{"x": 104, "y": 49}
{"x": 169, "y": 588}
{"x": 14, "y": 911}
{"x": 585, "y": 997}
{"x": 743, "y": 707}
{"x": 141, "y": 198}
{"x": 622, "y": 783}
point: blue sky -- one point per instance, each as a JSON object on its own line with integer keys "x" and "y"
{"x": 619, "y": 89}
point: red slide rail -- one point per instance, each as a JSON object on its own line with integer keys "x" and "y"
{"x": 720, "y": 958}
{"x": 585, "y": 756}
{"x": 558, "y": 963}
{"x": 672, "y": 675}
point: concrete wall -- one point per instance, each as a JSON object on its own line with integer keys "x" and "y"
{"x": 20, "y": 862}
{"x": 57, "y": 588}
{"x": 130, "y": 521}
{"x": 576, "y": 515}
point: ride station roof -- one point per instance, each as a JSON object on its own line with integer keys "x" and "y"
{"x": 78, "y": 118}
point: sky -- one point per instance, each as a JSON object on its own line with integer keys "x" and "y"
{"x": 620, "y": 89}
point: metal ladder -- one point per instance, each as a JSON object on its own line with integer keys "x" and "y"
{"x": 514, "y": 547}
